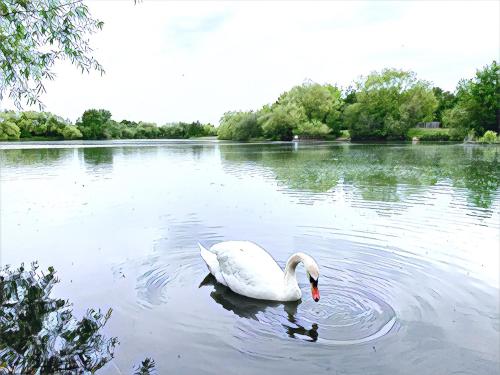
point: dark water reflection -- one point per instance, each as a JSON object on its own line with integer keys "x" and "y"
{"x": 406, "y": 237}
{"x": 250, "y": 308}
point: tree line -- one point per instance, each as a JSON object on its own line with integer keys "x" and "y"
{"x": 93, "y": 124}
{"x": 383, "y": 105}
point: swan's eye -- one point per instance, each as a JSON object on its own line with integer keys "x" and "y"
{"x": 313, "y": 282}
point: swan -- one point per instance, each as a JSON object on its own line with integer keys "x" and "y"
{"x": 249, "y": 270}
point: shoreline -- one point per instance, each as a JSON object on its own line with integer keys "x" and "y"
{"x": 41, "y": 144}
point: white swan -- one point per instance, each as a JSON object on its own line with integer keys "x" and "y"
{"x": 249, "y": 270}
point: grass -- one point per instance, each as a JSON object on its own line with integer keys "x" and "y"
{"x": 429, "y": 134}
{"x": 344, "y": 134}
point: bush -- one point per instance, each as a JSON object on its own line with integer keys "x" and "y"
{"x": 489, "y": 137}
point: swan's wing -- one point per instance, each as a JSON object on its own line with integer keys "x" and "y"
{"x": 249, "y": 270}
{"x": 212, "y": 264}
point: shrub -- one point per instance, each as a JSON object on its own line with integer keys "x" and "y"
{"x": 489, "y": 137}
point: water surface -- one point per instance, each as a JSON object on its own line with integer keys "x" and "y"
{"x": 406, "y": 236}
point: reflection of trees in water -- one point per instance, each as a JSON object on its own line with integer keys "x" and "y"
{"x": 40, "y": 335}
{"x": 34, "y": 157}
{"x": 98, "y": 156}
{"x": 249, "y": 308}
{"x": 380, "y": 173}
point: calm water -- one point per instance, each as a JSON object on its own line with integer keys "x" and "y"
{"x": 406, "y": 236}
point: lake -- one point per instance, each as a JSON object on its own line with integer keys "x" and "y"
{"x": 406, "y": 237}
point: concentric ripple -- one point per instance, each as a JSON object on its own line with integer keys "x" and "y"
{"x": 347, "y": 313}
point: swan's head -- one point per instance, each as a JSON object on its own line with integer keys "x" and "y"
{"x": 312, "y": 271}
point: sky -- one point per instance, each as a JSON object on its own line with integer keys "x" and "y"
{"x": 170, "y": 61}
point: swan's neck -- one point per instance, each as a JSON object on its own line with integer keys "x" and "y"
{"x": 291, "y": 265}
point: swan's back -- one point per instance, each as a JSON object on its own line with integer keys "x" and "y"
{"x": 248, "y": 269}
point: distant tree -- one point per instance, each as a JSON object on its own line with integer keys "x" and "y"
{"x": 388, "y": 103}
{"x": 282, "y": 122}
{"x": 9, "y": 131}
{"x": 320, "y": 106}
{"x": 33, "y": 124}
{"x": 478, "y": 103}
{"x": 34, "y": 34}
{"x": 445, "y": 99}
{"x": 239, "y": 126}
{"x": 349, "y": 95}
{"x": 93, "y": 124}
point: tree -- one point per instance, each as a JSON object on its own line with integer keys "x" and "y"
{"x": 9, "y": 131}
{"x": 93, "y": 124}
{"x": 445, "y": 99}
{"x": 388, "y": 104}
{"x": 477, "y": 105}
{"x": 34, "y": 34}
{"x": 34, "y": 124}
{"x": 281, "y": 123}
{"x": 239, "y": 126}
{"x": 320, "y": 106}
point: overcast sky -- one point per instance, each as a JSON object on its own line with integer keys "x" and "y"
{"x": 170, "y": 61}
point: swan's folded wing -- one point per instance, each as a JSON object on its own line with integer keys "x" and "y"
{"x": 249, "y": 270}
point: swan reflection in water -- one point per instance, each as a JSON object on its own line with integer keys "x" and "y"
{"x": 249, "y": 308}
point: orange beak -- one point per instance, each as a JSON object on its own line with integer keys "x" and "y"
{"x": 315, "y": 293}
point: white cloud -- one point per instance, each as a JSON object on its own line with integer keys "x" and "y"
{"x": 172, "y": 61}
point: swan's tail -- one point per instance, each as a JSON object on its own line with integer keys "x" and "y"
{"x": 212, "y": 263}
{"x": 205, "y": 253}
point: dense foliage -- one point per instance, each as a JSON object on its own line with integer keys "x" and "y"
{"x": 489, "y": 137}
{"x": 382, "y": 105}
{"x": 315, "y": 110}
{"x": 40, "y": 335}
{"x": 239, "y": 126}
{"x": 477, "y": 103}
{"x": 388, "y": 104}
{"x": 34, "y": 34}
{"x": 309, "y": 110}
{"x": 94, "y": 124}
{"x": 445, "y": 99}
{"x": 31, "y": 124}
